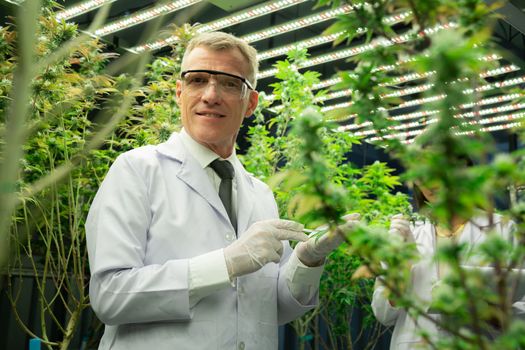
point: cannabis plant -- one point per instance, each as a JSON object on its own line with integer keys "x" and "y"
{"x": 473, "y": 315}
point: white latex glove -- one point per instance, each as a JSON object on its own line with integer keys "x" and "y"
{"x": 261, "y": 244}
{"x": 314, "y": 251}
{"x": 400, "y": 226}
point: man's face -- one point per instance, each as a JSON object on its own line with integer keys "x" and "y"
{"x": 212, "y": 116}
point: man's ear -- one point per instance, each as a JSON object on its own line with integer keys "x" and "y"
{"x": 252, "y": 103}
{"x": 178, "y": 91}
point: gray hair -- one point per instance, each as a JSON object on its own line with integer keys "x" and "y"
{"x": 223, "y": 41}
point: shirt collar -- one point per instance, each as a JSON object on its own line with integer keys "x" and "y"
{"x": 202, "y": 154}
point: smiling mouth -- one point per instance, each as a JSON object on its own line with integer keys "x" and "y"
{"x": 211, "y": 115}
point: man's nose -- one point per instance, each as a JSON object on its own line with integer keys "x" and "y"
{"x": 211, "y": 93}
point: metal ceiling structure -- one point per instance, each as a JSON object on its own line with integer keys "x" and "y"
{"x": 273, "y": 26}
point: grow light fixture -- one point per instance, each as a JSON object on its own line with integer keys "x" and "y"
{"x": 503, "y": 126}
{"x": 421, "y": 114}
{"x": 500, "y": 70}
{"x": 336, "y": 106}
{"x": 487, "y": 87}
{"x": 296, "y": 24}
{"x": 411, "y": 77}
{"x": 411, "y": 90}
{"x": 482, "y": 121}
{"x": 492, "y": 100}
{"x": 511, "y": 117}
{"x": 318, "y": 40}
{"x": 492, "y": 110}
{"x": 335, "y": 94}
{"x": 414, "y": 115}
{"x": 326, "y": 83}
{"x": 483, "y": 102}
{"x": 426, "y": 87}
{"x": 409, "y": 116}
{"x": 239, "y": 17}
{"x": 358, "y": 49}
{"x": 283, "y": 50}
{"x": 81, "y": 8}
{"x": 145, "y": 15}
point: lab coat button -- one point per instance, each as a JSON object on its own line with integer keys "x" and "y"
{"x": 241, "y": 345}
{"x": 229, "y": 237}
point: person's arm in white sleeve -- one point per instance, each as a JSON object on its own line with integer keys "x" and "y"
{"x": 208, "y": 274}
{"x": 122, "y": 288}
{"x": 382, "y": 308}
{"x": 259, "y": 245}
{"x": 518, "y": 306}
{"x": 303, "y": 281}
{"x": 305, "y": 266}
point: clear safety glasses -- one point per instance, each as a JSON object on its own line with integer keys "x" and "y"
{"x": 229, "y": 85}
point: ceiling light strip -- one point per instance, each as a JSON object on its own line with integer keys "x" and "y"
{"x": 505, "y": 83}
{"x": 499, "y": 119}
{"x": 421, "y": 114}
{"x": 493, "y": 110}
{"x": 236, "y": 18}
{"x": 397, "y": 80}
{"x": 355, "y": 50}
{"x": 83, "y": 7}
{"x": 409, "y": 136}
{"x": 332, "y": 56}
{"x": 315, "y": 41}
{"x": 426, "y": 87}
{"x": 144, "y": 16}
{"x": 486, "y": 129}
{"x": 299, "y": 23}
{"x": 415, "y": 124}
{"x": 492, "y": 100}
{"x": 414, "y": 115}
{"x": 283, "y": 50}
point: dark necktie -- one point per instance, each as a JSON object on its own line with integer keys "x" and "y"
{"x": 224, "y": 169}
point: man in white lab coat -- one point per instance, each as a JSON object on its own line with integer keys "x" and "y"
{"x": 172, "y": 266}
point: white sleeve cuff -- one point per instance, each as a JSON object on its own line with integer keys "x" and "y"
{"x": 208, "y": 274}
{"x": 303, "y": 281}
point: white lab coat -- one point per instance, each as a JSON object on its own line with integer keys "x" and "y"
{"x": 425, "y": 275}
{"x": 154, "y": 211}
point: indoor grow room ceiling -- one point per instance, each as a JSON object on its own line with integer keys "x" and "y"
{"x": 275, "y": 26}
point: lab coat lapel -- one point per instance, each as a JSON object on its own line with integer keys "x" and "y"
{"x": 192, "y": 173}
{"x": 245, "y": 198}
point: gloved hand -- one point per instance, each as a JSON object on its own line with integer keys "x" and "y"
{"x": 314, "y": 251}
{"x": 400, "y": 226}
{"x": 261, "y": 244}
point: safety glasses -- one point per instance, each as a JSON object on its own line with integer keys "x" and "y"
{"x": 196, "y": 81}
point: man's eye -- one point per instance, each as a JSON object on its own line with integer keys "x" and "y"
{"x": 231, "y": 83}
{"x": 197, "y": 80}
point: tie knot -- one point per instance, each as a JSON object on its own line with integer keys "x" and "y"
{"x": 223, "y": 168}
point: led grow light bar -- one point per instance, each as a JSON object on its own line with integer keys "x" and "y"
{"x": 488, "y": 120}
{"x": 239, "y": 17}
{"x": 358, "y": 49}
{"x": 413, "y": 133}
{"x": 297, "y": 24}
{"x": 486, "y": 129}
{"x": 412, "y": 90}
{"x": 81, "y": 8}
{"x": 145, "y": 15}
{"x": 318, "y": 40}
{"x": 420, "y": 114}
